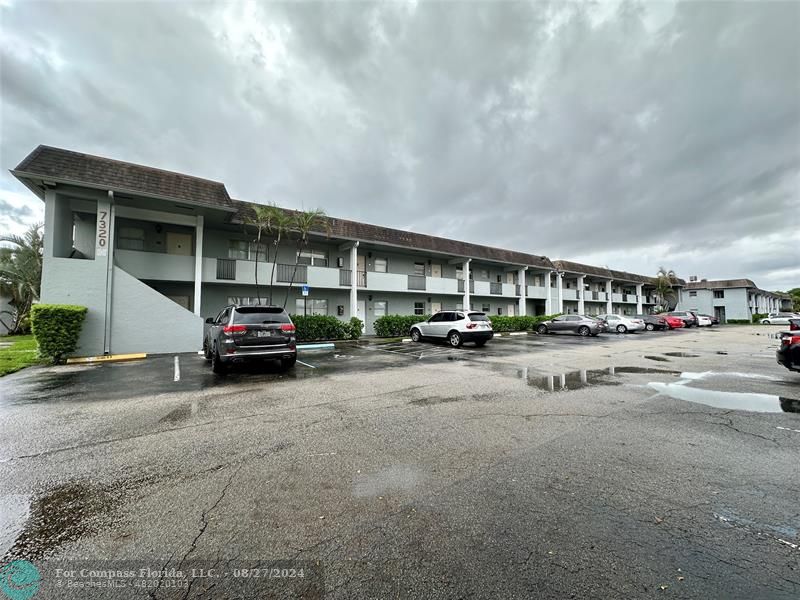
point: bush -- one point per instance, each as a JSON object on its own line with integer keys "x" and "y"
{"x": 737, "y": 322}
{"x": 758, "y": 316}
{"x": 397, "y": 325}
{"x": 57, "y": 328}
{"x": 502, "y": 323}
{"x": 325, "y": 327}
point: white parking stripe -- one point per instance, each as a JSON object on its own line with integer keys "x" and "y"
{"x": 177, "y": 369}
{"x": 306, "y": 365}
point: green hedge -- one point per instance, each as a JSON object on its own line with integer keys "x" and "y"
{"x": 325, "y": 327}
{"x": 519, "y": 323}
{"x": 57, "y": 328}
{"x": 758, "y": 316}
{"x": 397, "y": 325}
{"x": 737, "y": 322}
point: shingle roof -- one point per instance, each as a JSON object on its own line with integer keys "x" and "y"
{"x": 364, "y": 232}
{"x": 573, "y": 267}
{"x": 68, "y": 166}
{"x": 721, "y": 283}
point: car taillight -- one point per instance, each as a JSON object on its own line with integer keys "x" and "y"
{"x": 794, "y": 326}
{"x": 471, "y": 325}
{"x": 790, "y": 340}
{"x": 234, "y": 329}
{"x": 287, "y": 327}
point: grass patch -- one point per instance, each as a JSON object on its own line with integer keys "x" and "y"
{"x": 22, "y": 353}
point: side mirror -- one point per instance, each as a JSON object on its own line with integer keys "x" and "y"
{"x": 210, "y": 320}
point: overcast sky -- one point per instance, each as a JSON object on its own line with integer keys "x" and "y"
{"x": 630, "y": 135}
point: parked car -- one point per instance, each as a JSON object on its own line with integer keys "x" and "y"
{"x": 703, "y": 321}
{"x": 689, "y": 318}
{"x": 788, "y": 353}
{"x": 714, "y": 320}
{"x": 455, "y": 326}
{"x": 246, "y": 333}
{"x": 672, "y": 322}
{"x": 623, "y": 323}
{"x": 580, "y": 324}
{"x": 794, "y": 324}
{"x": 779, "y": 318}
{"x": 652, "y": 322}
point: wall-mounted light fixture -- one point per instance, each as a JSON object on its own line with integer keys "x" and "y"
{"x": 339, "y": 262}
{"x": 369, "y": 297}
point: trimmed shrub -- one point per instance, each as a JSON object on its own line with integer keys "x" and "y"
{"x": 57, "y": 328}
{"x": 325, "y": 327}
{"x": 758, "y": 316}
{"x": 737, "y": 322}
{"x": 501, "y": 323}
{"x": 397, "y": 325}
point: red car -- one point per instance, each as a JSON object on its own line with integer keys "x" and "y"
{"x": 673, "y": 322}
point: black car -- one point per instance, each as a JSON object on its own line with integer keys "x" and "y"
{"x": 246, "y": 333}
{"x": 652, "y": 322}
{"x": 689, "y": 318}
{"x": 788, "y": 353}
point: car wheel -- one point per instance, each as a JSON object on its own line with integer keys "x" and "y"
{"x": 541, "y": 329}
{"x": 621, "y": 329}
{"x": 216, "y": 364}
{"x": 416, "y": 336}
{"x": 650, "y": 327}
{"x": 583, "y": 331}
{"x": 765, "y": 322}
{"x": 288, "y": 363}
{"x": 206, "y": 351}
{"x": 454, "y": 338}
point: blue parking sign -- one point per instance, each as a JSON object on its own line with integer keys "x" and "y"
{"x": 305, "y": 290}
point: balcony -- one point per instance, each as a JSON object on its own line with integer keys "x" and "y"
{"x": 155, "y": 265}
{"x": 442, "y": 285}
{"x": 346, "y": 278}
{"x": 569, "y": 294}
{"x": 495, "y": 288}
{"x": 461, "y": 286}
{"x": 536, "y": 291}
{"x": 416, "y": 282}
{"x": 482, "y": 288}
{"x": 616, "y": 297}
{"x": 226, "y": 269}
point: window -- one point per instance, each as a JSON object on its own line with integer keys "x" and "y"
{"x": 244, "y": 250}
{"x": 419, "y": 268}
{"x": 317, "y": 258}
{"x": 311, "y": 306}
{"x": 485, "y": 308}
{"x": 719, "y": 293}
{"x": 379, "y": 308}
{"x": 499, "y": 310}
{"x": 130, "y": 238}
{"x": 692, "y": 294}
{"x": 484, "y": 274}
{"x": 242, "y": 300}
{"x": 419, "y": 308}
{"x": 438, "y": 317}
{"x": 381, "y": 265}
{"x": 500, "y": 279}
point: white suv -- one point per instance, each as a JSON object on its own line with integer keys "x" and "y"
{"x": 455, "y": 326}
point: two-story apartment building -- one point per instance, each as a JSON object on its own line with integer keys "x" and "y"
{"x": 731, "y": 299}
{"x": 152, "y": 252}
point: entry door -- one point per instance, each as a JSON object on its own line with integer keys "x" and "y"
{"x": 361, "y": 306}
{"x": 512, "y": 310}
{"x": 436, "y": 271}
{"x": 719, "y": 312}
{"x": 361, "y": 262}
{"x": 436, "y": 307}
{"x": 179, "y": 243}
{"x": 511, "y": 277}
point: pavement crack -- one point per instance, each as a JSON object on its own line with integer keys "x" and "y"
{"x": 730, "y": 425}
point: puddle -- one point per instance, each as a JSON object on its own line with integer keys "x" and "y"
{"x": 399, "y": 478}
{"x": 643, "y": 370}
{"x": 746, "y": 401}
{"x": 682, "y": 354}
{"x": 657, "y": 358}
{"x": 447, "y": 399}
{"x": 573, "y": 380}
{"x": 181, "y": 413}
{"x": 62, "y": 515}
{"x": 734, "y": 520}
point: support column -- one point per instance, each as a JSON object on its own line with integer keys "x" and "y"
{"x": 523, "y": 291}
{"x": 639, "y": 299}
{"x": 104, "y": 251}
{"x": 354, "y": 282}
{"x": 560, "y": 290}
{"x": 609, "y": 305}
{"x": 581, "y": 302}
{"x": 465, "y": 270}
{"x": 548, "y": 302}
{"x": 198, "y": 264}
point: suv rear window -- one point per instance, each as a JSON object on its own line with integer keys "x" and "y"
{"x": 478, "y": 317}
{"x": 251, "y": 315}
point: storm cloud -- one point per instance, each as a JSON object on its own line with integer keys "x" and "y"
{"x": 629, "y": 134}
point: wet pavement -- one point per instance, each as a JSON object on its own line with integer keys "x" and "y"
{"x": 619, "y": 466}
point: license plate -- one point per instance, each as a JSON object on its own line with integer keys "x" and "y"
{"x": 263, "y": 333}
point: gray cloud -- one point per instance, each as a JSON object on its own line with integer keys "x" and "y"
{"x": 646, "y": 133}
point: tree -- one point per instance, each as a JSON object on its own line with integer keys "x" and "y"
{"x": 665, "y": 280}
{"x": 281, "y": 225}
{"x": 304, "y": 222}
{"x": 262, "y": 221}
{"x": 21, "y": 276}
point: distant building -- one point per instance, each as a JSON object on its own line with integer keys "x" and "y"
{"x": 737, "y": 299}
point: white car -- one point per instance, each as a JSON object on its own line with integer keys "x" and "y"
{"x": 781, "y": 318}
{"x": 622, "y": 324}
{"x": 703, "y": 321}
{"x": 455, "y": 326}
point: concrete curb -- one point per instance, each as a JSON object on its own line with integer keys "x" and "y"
{"x": 321, "y": 346}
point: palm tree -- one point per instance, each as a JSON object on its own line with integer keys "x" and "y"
{"x": 281, "y": 224}
{"x": 304, "y": 223}
{"x": 262, "y": 220}
{"x": 21, "y": 276}
{"x": 664, "y": 282}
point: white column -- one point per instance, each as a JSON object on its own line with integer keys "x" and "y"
{"x": 198, "y": 264}
{"x": 354, "y": 282}
{"x": 560, "y": 289}
{"x": 581, "y": 304}
{"x": 523, "y": 291}
{"x": 548, "y": 302}
{"x": 639, "y": 298}
{"x": 609, "y": 305}
{"x": 465, "y": 271}
{"x": 104, "y": 251}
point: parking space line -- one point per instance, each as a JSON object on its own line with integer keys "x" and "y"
{"x": 177, "y": 369}
{"x": 306, "y": 365}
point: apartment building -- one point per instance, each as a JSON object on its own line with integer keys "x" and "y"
{"x": 731, "y": 299}
{"x": 151, "y": 253}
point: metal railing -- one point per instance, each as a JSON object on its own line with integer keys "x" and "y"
{"x": 345, "y": 277}
{"x": 495, "y": 288}
{"x": 461, "y": 286}
{"x": 518, "y": 289}
{"x": 595, "y": 295}
{"x": 361, "y": 278}
{"x": 416, "y": 282}
{"x": 284, "y": 273}
{"x": 226, "y": 268}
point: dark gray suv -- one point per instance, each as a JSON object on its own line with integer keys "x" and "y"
{"x": 243, "y": 333}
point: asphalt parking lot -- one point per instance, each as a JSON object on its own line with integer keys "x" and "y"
{"x": 621, "y": 466}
